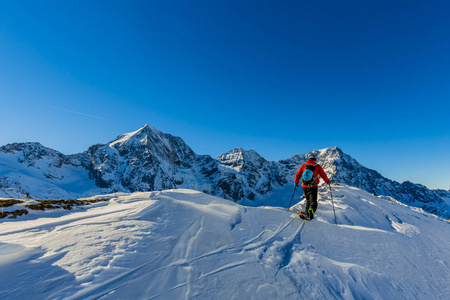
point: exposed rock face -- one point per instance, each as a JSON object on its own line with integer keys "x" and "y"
{"x": 147, "y": 160}
{"x": 253, "y": 173}
{"x": 30, "y": 153}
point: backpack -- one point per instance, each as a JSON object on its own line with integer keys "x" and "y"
{"x": 308, "y": 175}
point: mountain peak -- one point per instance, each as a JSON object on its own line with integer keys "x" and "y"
{"x": 30, "y": 148}
{"x": 239, "y": 158}
{"x": 21, "y": 146}
{"x": 139, "y": 136}
{"x": 240, "y": 154}
{"x": 334, "y": 149}
{"x": 148, "y": 129}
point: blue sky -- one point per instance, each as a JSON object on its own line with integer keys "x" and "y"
{"x": 279, "y": 77}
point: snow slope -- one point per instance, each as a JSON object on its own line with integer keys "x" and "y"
{"x": 183, "y": 244}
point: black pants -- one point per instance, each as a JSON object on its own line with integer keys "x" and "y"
{"x": 311, "y": 198}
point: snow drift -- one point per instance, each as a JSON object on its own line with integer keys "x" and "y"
{"x": 183, "y": 244}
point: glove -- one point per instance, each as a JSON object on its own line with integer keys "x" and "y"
{"x": 296, "y": 185}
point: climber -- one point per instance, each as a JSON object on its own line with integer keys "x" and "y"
{"x": 310, "y": 173}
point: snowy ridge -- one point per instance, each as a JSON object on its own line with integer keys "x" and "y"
{"x": 183, "y": 244}
{"x": 148, "y": 160}
{"x": 30, "y": 169}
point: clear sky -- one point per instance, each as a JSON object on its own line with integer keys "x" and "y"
{"x": 279, "y": 77}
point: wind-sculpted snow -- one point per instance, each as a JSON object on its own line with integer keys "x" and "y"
{"x": 183, "y": 244}
{"x": 150, "y": 160}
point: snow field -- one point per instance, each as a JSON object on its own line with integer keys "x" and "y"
{"x": 183, "y": 244}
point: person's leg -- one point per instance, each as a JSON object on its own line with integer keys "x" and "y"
{"x": 314, "y": 193}
{"x": 312, "y": 202}
{"x": 308, "y": 197}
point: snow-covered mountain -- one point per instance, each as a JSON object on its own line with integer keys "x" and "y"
{"x": 30, "y": 170}
{"x": 144, "y": 160}
{"x": 184, "y": 244}
{"x": 149, "y": 160}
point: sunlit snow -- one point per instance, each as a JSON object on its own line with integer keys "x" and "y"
{"x": 183, "y": 244}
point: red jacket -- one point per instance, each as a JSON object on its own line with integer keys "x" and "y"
{"x": 318, "y": 171}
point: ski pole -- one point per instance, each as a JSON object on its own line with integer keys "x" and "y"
{"x": 331, "y": 194}
{"x": 292, "y": 198}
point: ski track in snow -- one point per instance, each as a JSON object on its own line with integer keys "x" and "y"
{"x": 182, "y": 244}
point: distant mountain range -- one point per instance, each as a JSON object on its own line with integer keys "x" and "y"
{"x": 149, "y": 160}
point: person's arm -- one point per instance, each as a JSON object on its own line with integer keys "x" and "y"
{"x": 299, "y": 174}
{"x": 323, "y": 175}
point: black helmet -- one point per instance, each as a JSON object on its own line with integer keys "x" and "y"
{"x": 313, "y": 158}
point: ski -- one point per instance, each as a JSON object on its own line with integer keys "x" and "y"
{"x": 303, "y": 217}
{"x": 301, "y": 214}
